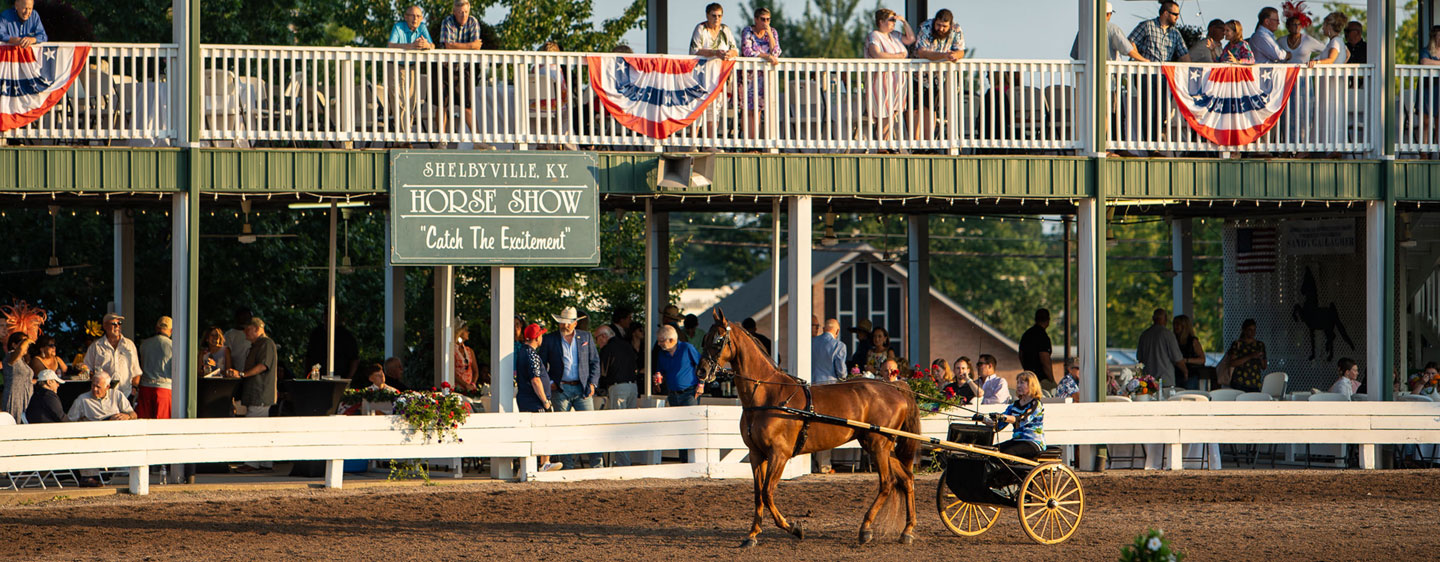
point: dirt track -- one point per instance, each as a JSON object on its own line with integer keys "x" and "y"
{"x": 1234, "y": 515}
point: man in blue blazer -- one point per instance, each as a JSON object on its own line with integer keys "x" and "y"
{"x": 574, "y": 368}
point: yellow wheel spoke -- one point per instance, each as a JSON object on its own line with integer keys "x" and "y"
{"x": 1032, "y": 513}
{"x": 1035, "y": 495}
{"x": 1071, "y": 492}
{"x": 1070, "y": 502}
{"x": 1077, "y": 515}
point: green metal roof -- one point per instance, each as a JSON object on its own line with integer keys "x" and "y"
{"x": 361, "y": 172}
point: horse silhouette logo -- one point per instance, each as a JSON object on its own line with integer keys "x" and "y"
{"x": 1318, "y": 318}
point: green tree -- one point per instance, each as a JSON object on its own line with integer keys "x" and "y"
{"x": 527, "y": 25}
{"x": 243, "y": 22}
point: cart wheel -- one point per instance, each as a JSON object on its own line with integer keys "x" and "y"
{"x": 964, "y": 519}
{"x": 1051, "y": 503}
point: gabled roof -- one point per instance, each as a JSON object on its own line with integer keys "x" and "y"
{"x": 753, "y": 298}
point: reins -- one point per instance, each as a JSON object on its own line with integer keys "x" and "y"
{"x": 796, "y": 381}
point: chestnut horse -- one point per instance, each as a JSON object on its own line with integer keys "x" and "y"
{"x": 771, "y": 434}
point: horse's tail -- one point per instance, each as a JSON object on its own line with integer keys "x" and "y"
{"x": 906, "y": 450}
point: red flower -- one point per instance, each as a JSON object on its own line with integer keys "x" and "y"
{"x": 445, "y": 384}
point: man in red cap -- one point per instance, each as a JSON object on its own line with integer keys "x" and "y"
{"x": 532, "y": 380}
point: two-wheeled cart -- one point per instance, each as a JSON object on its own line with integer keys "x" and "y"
{"x": 979, "y": 480}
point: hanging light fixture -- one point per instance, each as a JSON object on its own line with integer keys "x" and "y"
{"x": 829, "y": 239}
{"x": 1110, "y": 241}
{"x": 1407, "y": 235}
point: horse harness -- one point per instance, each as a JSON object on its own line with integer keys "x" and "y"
{"x": 805, "y": 415}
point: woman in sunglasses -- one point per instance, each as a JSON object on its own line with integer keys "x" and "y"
{"x": 43, "y": 357}
{"x": 890, "y": 40}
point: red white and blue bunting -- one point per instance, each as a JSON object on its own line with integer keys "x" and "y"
{"x": 1231, "y": 105}
{"x": 656, "y": 96}
{"x": 33, "y": 79}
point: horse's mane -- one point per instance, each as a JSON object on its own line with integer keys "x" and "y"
{"x": 755, "y": 342}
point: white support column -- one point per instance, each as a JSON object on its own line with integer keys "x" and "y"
{"x": 1088, "y": 326}
{"x": 1090, "y": 225}
{"x": 801, "y": 302}
{"x": 775, "y": 273}
{"x": 178, "y": 74}
{"x": 394, "y": 306}
{"x": 180, "y": 289}
{"x": 1174, "y": 456}
{"x": 444, "y": 286}
{"x": 1375, "y": 279}
{"x": 124, "y": 271}
{"x": 657, "y": 283}
{"x": 919, "y": 289}
{"x": 797, "y": 340}
{"x": 330, "y": 297}
{"x": 1182, "y": 261}
{"x": 502, "y": 355}
{"x": 1378, "y": 21}
{"x": 502, "y": 339}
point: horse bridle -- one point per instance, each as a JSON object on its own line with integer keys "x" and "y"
{"x": 710, "y": 359}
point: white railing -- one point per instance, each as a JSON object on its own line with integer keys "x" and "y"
{"x": 387, "y": 95}
{"x": 711, "y": 431}
{"x": 122, "y": 93}
{"x": 1328, "y": 112}
{"x": 1418, "y": 114}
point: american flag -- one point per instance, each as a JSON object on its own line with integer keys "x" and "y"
{"x": 1255, "y": 250}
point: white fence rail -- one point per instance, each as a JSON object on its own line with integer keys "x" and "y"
{"x": 1328, "y": 111}
{"x": 711, "y": 431}
{"x": 122, "y": 93}
{"x": 1418, "y": 113}
{"x": 386, "y": 95}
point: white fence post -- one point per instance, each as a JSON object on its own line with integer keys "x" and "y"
{"x": 334, "y": 474}
{"x": 140, "y": 480}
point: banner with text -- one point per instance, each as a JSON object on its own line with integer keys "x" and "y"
{"x": 1318, "y": 237}
{"x": 494, "y": 208}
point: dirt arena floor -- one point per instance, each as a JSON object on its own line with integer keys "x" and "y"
{"x": 1231, "y": 515}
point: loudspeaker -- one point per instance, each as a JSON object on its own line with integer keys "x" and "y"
{"x": 680, "y": 171}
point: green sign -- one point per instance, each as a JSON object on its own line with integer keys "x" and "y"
{"x": 494, "y": 208}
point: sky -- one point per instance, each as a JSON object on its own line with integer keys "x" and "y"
{"x": 1009, "y": 29}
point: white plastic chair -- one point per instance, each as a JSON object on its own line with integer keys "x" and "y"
{"x": 1188, "y": 398}
{"x": 1028, "y": 109}
{"x": 1062, "y": 114}
{"x": 1192, "y": 393}
{"x": 1118, "y": 399}
{"x": 1415, "y": 398}
{"x": 1357, "y": 397}
{"x": 1254, "y": 397}
{"x": 92, "y": 98}
{"x": 1275, "y": 384}
{"x": 220, "y": 101}
{"x": 1054, "y": 400}
{"x": 1225, "y": 394}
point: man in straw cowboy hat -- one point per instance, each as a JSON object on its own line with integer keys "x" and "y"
{"x": 574, "y": 362}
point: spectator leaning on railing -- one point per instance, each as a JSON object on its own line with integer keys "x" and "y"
{"x": 409, "y": 34}
{"x": 1117, "y": 43}
{"x": 1237, "y": 49}
{"x": 1262, "y": 42}
{"x": 940, "y": 40}
{"x": 1158, "y": 40}
{"x": 462, "y": 32}
{"x": 1211, "y": 47}
{"x": 20, "y": 26}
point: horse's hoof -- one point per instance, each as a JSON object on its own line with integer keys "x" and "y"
{"x": 797, "y": 530}
{"x": 907, "y": 538}
{"x": 866, "y": 536}
{"x": 749, "y": 542}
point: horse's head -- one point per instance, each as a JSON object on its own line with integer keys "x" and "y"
{"x": 719, "y": 349}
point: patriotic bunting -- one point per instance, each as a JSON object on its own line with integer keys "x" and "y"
{"x": 656, "y": 96}
{"x": 33, "y": 79}
{"x": 1230, "y": 105}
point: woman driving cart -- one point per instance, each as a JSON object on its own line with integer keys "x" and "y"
{"x": 1027, "y": 414}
